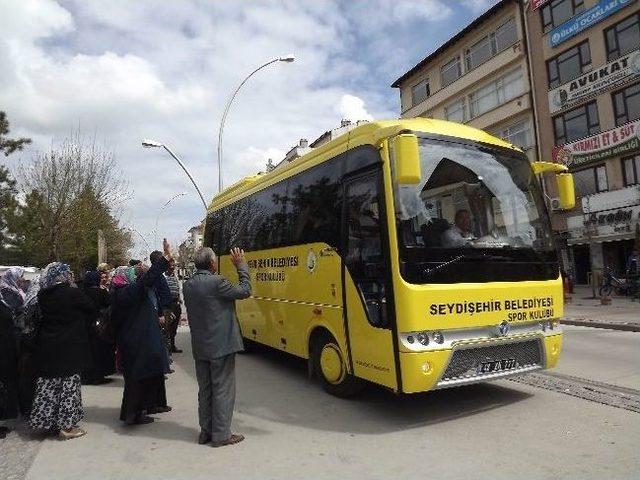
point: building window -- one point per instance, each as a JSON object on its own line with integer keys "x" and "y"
{"x": 451, "y": 71}
{"x": 518, "y": 134}
{"x": 591, "y": 180}
{"x": 419, "y": 92}
{"x": 577, "y": 123}
{"x": 623, "y": 37}
{"x": 626, "y": 104}
{"x": 456, "y": 112}
{"x": 631, "y": 170}
{"x": 496, "y": 93}
{"x": 569, "y": 64}
{"x": 481, "y": 51}
{"x": 556, "y": 12}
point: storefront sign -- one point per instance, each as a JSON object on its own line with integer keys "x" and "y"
{"x": 617, "y": 141}
{"x": 605, "y": 225}
{"x": 536, "y": 4}
{"x": 599, "y": 79}
{"x": 602, "y": 10}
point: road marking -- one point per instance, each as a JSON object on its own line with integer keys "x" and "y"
{"x": 603, "y": 393}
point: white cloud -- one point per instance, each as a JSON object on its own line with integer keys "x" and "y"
{"x": 352, "y": 108}
{"x": 164, "y": 70}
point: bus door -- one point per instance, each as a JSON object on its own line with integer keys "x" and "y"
{"x": 367, "y": 284}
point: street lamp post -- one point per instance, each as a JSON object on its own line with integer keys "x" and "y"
{"x": 287, "y": 59}
{"x": 165, "y": 205}
{"x": 154, "y": 144}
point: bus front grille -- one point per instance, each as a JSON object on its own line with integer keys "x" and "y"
{"x": 465, "y": 364}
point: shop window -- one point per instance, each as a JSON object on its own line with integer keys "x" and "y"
{"x": 577, "y": 123}
{"x": 481, "y": 51}
{"x": 631, "y": 170}
{"x": 569, "y": 64}
{"x": 591, "y": 180}
{"x": 556, "y": 12}
{"x": 623, "y": 37}
{"x": 451, "y": 71}
{"x": 420, "y": 92}
{"x": 496, "y": 93}
{"x": 626, "y": 104}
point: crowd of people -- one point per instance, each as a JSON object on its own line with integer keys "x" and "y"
{"x": 58, "y": 333}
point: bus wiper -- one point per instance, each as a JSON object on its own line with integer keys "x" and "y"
{"x": 485, "y": 256}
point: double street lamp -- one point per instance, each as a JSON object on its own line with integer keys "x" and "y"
{"x": 287, "y": 59}
{"x": 164, "y": 205}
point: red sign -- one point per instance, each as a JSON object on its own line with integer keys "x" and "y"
{"x": 536, "y": 4}
{"x": 617, "y": 141}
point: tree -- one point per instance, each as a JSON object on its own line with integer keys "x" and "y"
{"x": 8, "y": 145}
{"x": 71, "y": 192}
{"x": 8, "y": 191}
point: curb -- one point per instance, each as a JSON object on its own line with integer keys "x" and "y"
{"x": 627, "y": 327}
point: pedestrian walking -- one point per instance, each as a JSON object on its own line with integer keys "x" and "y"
{"x": 61, "y": 353}
{"x": 144, "y": 357}
{"x": 176, "y": 305}
{"x": 215, "y": 339}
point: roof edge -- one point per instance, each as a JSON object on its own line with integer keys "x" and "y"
{"x": 452, "y": 40}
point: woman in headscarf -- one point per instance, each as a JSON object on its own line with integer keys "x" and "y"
{"x": 11, "y": 305}
{"x": 144, "y": 358}
{"x": 102, "y": 349}
{"x": 30, "y": 322}
{"x": 61, "y": 353}
{"x": 12, "y": 295}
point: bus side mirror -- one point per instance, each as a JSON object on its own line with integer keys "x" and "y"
{"x": 407, "y": 159}
{"x": 566, "y": 190}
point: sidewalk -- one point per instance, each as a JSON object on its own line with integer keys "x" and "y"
{"x": 622, "y": 314}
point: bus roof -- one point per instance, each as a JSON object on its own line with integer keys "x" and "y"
{"x": 366, "y": 134}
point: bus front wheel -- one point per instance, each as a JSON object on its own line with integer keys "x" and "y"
{"x": 330, "y": 366}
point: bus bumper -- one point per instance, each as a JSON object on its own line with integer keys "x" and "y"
{"x": 461, "y": 364}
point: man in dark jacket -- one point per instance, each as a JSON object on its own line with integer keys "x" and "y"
{"x": 215, "y": 338}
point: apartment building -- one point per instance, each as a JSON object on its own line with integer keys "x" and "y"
{"x": 479, "y": 77}
{"x": 585, "y": 55}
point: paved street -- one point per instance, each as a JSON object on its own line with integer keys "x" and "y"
{"x": 294, "y": 430}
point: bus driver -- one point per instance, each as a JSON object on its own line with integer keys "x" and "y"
{"x": 459, "y": 234}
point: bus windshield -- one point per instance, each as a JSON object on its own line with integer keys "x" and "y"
{"x": 476, "y": 215}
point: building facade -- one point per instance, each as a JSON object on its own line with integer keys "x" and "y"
{"x": 479, "y": 77}
{"x": 585, "y": 55}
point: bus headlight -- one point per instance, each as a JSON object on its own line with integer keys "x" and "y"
{"x": 549, "y": 324}
{"x": 410, "y": 339}
{"x": 438, "y": 337}
{"x": 423, "y": 338}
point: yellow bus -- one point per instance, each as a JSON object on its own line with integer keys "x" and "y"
{"x": 415, "y": 254}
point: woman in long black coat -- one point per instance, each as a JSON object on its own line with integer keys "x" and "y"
{"x": 103, "y": 351}
{"x": 144, "y": 357}
{"x": 8, "y": 368}
{"x": 61, "y": 352}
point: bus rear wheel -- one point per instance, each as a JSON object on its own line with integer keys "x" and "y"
{"x": 330, "y": 366}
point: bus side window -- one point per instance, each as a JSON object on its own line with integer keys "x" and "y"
{"x": 364, "y": 258}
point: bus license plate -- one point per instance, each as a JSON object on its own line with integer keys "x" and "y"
{"x": 497, "y": 365}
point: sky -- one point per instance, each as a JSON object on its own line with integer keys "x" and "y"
{"x": 122, "y": 71}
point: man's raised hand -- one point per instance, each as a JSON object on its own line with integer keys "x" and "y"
{"x": 237, "y": 256}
